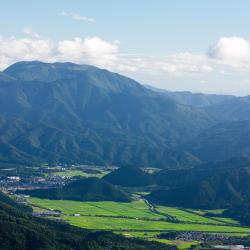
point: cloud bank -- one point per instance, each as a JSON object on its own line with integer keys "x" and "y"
{"x": 228, "y": 54}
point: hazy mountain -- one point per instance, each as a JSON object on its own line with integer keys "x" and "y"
{"x": 222, "y": 141}
{"x": 193, "y": 99}
{"x": 87, "y": 189}
{"x": 235, "y": 109}
{"x": 64, "y": 112}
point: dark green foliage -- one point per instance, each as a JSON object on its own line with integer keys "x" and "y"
{"x": 21, "y": 231}
{"x": 10, "y": 202}
{"x": 240, "y": 212}
{"x": 182, "y": 177}
{"x": 87, "y": 189}
{"x": 218, "y": 189}
{"x": 129, "y": 177}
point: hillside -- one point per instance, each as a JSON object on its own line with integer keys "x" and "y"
{"x": 21, "y": 231}
{"x": 222, "y": 140}
{"x": 69, "y": 113}
{"x": 129, "y": 177}
{"x": 222, "y": 189}
{"x": 172, "y": 178}
{"x": 87, "y": 189}
{"x": 193, "y": 99}
{"x": 81, "y": 114}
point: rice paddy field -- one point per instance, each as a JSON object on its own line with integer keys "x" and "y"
{"x": 135, "y": 219}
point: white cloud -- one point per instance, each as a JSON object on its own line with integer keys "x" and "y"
{"x": 13, "y": 50}
{"x": 77, "y": 17}
{"x": 28, "y": 31}
{"x": 231, "y": 49}
{"x": 93, "y": 50}
{"x": 224, "y": 56}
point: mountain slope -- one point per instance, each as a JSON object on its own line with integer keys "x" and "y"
{"x": 64, "y": 112}
{"x": 88, "y": 189}
{"x": 182, "y": 177}
{"x": 222, "y": 189}
{"x": 193, "y": 99}
{"x": 228, "y": 139}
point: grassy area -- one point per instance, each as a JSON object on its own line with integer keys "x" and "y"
{"x": 124, "y": 224}
{"x": 186, "y": 216}
{"x": 136, "y": 209}
{"x": 227, "y": 220}
{"x": 139, "y": 224}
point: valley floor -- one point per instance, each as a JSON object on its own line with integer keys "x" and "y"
{"x": 139, "y": 219}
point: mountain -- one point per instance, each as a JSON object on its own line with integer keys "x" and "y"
{"x": 235, "y": 109}
{"x": 80, "y": 114}
{"x": 221, "y": 141}
{"x": 19, "y": 230}
{"x": 222, "y": 189}
{"x": 129, "y": 177}
{"x": 87, "y": 189}
{"x": 172, "y": 178}
{"x": 193, "y": 99}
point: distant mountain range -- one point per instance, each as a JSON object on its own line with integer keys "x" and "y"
{"x": 80, "y": 114}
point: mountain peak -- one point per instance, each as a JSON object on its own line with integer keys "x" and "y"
{"x": 41, "y": 71}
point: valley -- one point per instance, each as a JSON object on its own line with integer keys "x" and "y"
{"x": 94, "y": 150}
{"x": 136, "y": 219}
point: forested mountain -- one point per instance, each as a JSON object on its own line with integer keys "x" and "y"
{"x": 21, "y": 231}
{"x": 64, "y": 112}
{"x": 172, "y": 178}
{"x": 84, "y": 189}
{"x": 218, "y": 188}
{"x": 222, "y": 141}
{"x": 129, "y": 177}
{"x": 80, "y": 114}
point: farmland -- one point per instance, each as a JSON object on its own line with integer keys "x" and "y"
{"x": 135, "y": 219}
{"x": 125, "y": 224}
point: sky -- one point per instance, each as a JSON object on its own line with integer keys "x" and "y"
{"x": 179, "y": 45}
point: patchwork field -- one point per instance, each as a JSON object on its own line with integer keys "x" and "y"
{"x": 137, "y": 209}
{"x": 135, "y": 219}
{"x": 106, "y": 223}
{"x": 186, "y": 216}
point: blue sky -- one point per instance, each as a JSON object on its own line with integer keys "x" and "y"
{"x": 201, "y": 46}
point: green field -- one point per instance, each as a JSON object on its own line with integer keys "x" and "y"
{"x": 124, "y": 224}
{"x": 138, "y": 220}
{"x": 186, "y": 216}
{"x": 136, "y": 209}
